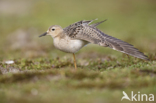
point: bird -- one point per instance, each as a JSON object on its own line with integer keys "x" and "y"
{"x": 75, "y": 36}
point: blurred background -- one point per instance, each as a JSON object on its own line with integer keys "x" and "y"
{"x": 38, "y": 75}
{"x": 22, "y": 21}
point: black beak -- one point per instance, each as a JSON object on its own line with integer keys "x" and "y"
{"x": 44, "y": 34}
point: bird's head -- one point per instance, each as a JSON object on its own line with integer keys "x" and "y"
{"x": 53, "y": 31}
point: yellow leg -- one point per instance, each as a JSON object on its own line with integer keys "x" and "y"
{"x": 128, "y": 56}
{"x": 74, "y": 61}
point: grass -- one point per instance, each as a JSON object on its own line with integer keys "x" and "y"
{"x": 56, "y": 80}
{"x": 43, "y": 74}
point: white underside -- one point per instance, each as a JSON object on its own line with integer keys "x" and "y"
{"x": 68, "y": 45}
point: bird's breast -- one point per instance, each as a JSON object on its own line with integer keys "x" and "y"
{"x": 69, "y": 45}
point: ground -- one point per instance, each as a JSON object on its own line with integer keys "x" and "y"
{"x": 40, "y": 73}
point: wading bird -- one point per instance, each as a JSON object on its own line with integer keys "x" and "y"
{"x": 72, "y": 38}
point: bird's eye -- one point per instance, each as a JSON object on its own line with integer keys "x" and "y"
{"x": 52, "y": 29}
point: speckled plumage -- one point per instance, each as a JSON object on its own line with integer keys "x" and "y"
{"x": 75, "y": 36}
{"x": 83, "y": 31}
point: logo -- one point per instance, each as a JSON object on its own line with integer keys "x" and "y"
{"x": 138, "y": 97}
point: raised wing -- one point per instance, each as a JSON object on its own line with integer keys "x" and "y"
{"x": 81, "y": 30}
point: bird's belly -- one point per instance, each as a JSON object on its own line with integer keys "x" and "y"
{"x": 70, "y": 46}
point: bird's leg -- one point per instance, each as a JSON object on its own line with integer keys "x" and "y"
{"x": 74, "y": 61}
{"x": 128, "y": 56}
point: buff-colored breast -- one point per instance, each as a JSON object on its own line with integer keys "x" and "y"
{"x": 68, "y": 45}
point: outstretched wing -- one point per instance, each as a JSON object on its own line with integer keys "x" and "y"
{"x": 81, "y": 30}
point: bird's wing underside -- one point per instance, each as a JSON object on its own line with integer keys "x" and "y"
{"x": 82, "y": 30}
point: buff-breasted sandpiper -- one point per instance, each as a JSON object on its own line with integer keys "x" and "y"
{"x": 72, "y": 38}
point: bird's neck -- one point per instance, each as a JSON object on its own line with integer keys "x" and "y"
{"x": 60, "y": 35}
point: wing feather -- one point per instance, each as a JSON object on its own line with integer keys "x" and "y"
{"x": 82, "y": 30}
{"x": 96, "y": 24}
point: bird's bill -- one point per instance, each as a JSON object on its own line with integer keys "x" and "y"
{"x": 44, "y": 34}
